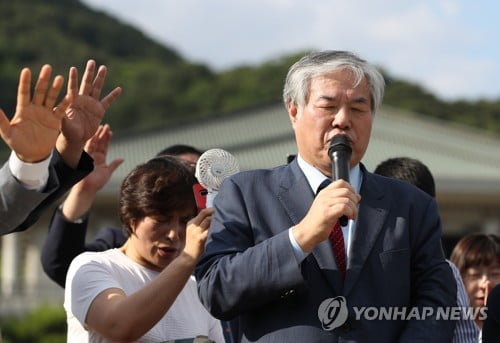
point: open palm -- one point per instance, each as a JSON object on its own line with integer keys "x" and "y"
{"x": 86, "y": 111}
{"x": 97, "y": 148}
{"x": 33, "y": 130}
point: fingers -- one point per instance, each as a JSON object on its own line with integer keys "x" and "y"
{"x": 105, "y": 136}
{"x": 41, "y": 85}
{"x": 88, "y": 75}
{"x": 60, "y": 110}
{"x": 54, "y": 91}
{"x": 204, "y": 218}
{"x": 73, "y": 82}
{"x": 92, "y": 87}
{"x": 23, "y": 90}
{"x": 4, "y": 126}
{"x": 338, "y": 199}
{"x": 111, "y": 97}
{"x": 115, "y": 164}
{"x": 93, "y": 144}
{"x": 98, "y": 82}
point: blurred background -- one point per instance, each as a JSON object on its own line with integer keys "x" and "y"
{"x": 210, "y": 74}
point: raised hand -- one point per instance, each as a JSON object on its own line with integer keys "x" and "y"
{"x": 86, "y": 111}
{"x": 97, "y": 148}
{"x": 82, "y": 195}
{"x": 33, "y": 131}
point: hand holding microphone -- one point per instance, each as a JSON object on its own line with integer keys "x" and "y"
{"x": 340, "y": 154}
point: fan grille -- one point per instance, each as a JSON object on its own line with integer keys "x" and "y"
{"x": 214, "y": 166}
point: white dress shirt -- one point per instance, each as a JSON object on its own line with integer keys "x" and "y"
{"x": 32, "y": 176}
{"x": 315, "y": 178}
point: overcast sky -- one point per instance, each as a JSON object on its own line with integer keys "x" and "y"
{"x": 451, "y": 47}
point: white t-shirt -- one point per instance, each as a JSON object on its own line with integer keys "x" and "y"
{"x": 91, "y": 273}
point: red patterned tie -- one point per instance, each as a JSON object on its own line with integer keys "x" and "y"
{"x": 336, "y": 239}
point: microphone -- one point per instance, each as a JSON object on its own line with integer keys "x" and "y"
{"x": 213, "y": 166}
{"x": 340, "y": 154}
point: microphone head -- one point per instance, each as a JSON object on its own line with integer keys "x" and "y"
{"x": 339, "y": 143}
{"x": 213, "y": 166}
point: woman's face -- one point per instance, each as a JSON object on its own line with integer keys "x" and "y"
{"x": 479, "y": 281}
{"x": 157, "y": 241}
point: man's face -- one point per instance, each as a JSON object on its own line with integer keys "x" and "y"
{"x": 333, "y": 107}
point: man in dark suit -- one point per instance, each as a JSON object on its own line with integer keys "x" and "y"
{"x": 269, "y": 259}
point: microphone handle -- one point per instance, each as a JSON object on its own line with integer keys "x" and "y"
{"x": 340, "y": 170}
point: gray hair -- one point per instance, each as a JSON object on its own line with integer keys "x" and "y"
{"x": 296, "y": 89}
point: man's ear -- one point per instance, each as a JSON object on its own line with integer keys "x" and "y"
{"x": 292, "y": 111}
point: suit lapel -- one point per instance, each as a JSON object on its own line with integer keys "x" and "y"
{"x": 371, "y": 216}
{"x": 296, "y": 197}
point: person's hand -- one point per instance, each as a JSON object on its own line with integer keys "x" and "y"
{"x": 196, "y": 234}
{"x": 33, "y": 131}
{"x": 85, "y": 111}
{"x": 82, "y": 195}
{"x": 97, "y": 148}
{"x": 334, "y": 201}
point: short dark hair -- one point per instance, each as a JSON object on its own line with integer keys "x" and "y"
{"x": 179, "y": 149}
{"x": 155, "y": 188}
{"x": 410, "y": 170}
{"x": 475, "y": 250}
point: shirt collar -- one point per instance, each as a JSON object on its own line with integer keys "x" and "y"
{"x": 315, "y": 177}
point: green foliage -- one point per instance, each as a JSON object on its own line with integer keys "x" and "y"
{"x": 405, "y": 95}
{"x": 44, "y": 324}
{"x": 159, "y": 87}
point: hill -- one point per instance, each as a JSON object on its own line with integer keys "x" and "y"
{"x": 160, "y": 87}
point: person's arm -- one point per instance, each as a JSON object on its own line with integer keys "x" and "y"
{"x": 31, "y": 135}
{"x": 85, "y": 111}
{"x": 82, "y": 195}
{"x": 17, "y": 201}
{"x": 65, "y": 240}
{"x": 68, "y": 227}
{"x": 80, "y": 122}
{"x": 109, "y": 312}
{"x": 239, "y": 271}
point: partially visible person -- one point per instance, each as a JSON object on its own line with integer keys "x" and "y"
{"x": 477, "y": 257}
{"x": 68, "y": 227}
{"x": 187, "y": 153}
{"x": 144, "y": 290}
{"x": 491, "y": 325}
{"x": 409, "y": 170}
{"x": 31, "y": 135}
{"x": 277, "y": 257}
{"x": 418, "y": 174}
{"x": 37, "y": 174}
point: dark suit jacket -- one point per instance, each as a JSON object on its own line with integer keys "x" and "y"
{"x": 21, "y": 208}
{"x": 249, "y": 269}
{"x": 66, "y": 240}
{"x": 491, "y": 325}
